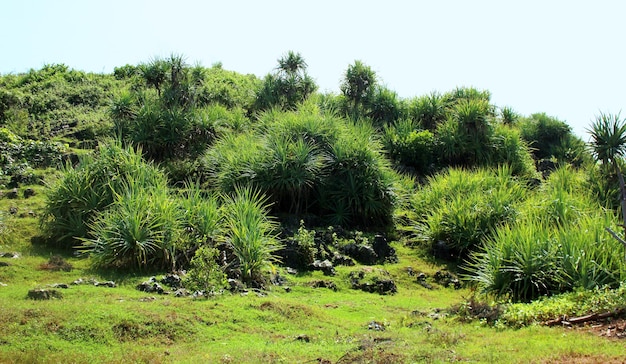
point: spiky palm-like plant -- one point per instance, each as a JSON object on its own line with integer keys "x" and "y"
{"x": 608, "y": 144}
{"x": 249, "y": 232}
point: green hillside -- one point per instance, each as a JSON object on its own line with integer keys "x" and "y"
{"x": 171, "y": 212}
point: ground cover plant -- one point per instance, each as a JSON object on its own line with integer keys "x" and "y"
{"x": 236, "y": 219}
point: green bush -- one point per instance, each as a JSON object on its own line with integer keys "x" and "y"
{"x": 558, "y": 244}
{"x": 204, "y": 272}
{"x": 308, "y": 163}
{"x": 250, "y": 233}
{"x": 460, "y": 208}
{"x": 411, "y": 147}
{"x": 138, "y": 231}
{"x": 74, "y": 201}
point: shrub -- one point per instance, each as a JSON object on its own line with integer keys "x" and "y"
{"x": 138, "y": 231}
{"x": 204, "y": 272}
{"x": 461, "y": 208}
{"x": 83, "y": 192}
{"x": 249, "y": 232}
{"x": 411, "y": 148}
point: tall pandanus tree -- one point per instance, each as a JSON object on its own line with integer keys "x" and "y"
{"x": 608, "y": 144}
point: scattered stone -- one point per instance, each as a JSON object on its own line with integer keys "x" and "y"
{"x": 324, "y": 284}
{"x": 303, "y": 337}
{"x": 181, "y": 292}
{"x": 292, "y": 271}
{"x": 287, "y": 289}
{"x": 340, "y": 259}
{"x": 172, "y": 280}
{"x": 376, "y": 326}
{"x": 109, "y": 284}
{"x": 147, "y": 299}
{"x": 376, "y": 285}
{"x": 383, "y": 250}
{"x": 278, "y": 280}
{"x": 235, "y": 285}
{"x": 12, "y": 194}
{"x": 410, "y": 272}
{"x": 29, "y": 192}
{"x": 325, "y": 266}
{"x": 3, "y": 284}
{"x": 447, "y": 279}
{"x": 150, "y": 286}
{"x": 10, "y": 255}
{"x": 362, "y": 253}
{"x": 61, "y": 285}
{"x": 44, "y": 294}
{"x": 421, "y": 280}
{"x": 78, "y": 281}
{"x": 4, "y": 264}
{"x": 13, "y": 210}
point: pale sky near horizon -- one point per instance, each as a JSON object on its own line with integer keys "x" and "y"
{"x": 564, "y": 58}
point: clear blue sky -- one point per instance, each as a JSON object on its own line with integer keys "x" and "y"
{"x": 565, "y": 58}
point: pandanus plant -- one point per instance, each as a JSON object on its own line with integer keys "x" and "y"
{"x": 608, "y": 144}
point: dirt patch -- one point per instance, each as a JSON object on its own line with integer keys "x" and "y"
{"x": 584, "y": 359}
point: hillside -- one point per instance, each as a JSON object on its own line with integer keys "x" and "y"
{"x": 177, "y": 213}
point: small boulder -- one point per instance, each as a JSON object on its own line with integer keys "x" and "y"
{"x": 362, "y": 253}
{"x": 235, "y": 285}
{"x": 172, "y": 280}
{"x": 323, "y": 284}
{"x": 44, "y": 294}
{"x": 61, "y": 285}
{"x": 29, "y": 192}
{"x": 13, "y": 210}
{"x": 109, "y": 284}
{"x": 383, "y": 250}
{"x": 325, "y": 266}
{"x": 340, "y": 259}
{"x": 12, "y": 194}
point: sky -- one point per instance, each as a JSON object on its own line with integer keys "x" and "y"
{"x": 564, "y": 58}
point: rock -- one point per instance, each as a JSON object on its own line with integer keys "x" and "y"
{"x": 292, "y": 271}
{"x": 4, "y": 264}
{"x": 386, "y": 286}
{"x": 12, "y": 194}
{"x": 324, "y": 284}
{"x": 447, "y": 279}
{"x": 340, "y": 259}
{"x": 3, "y": 284}
{"x": 325, "y": 266}
{"x": 78, "y": 281}
{"x": 303, "y": 337}
{"x": 235, "y": 285}
{"x": 109, "y": 284}
{"x": 383, "y": 250}
{"x": 13, "y": 210}
{"x": 409, "y": 271}
{"x": 278, "y": 280}
{"x": 172, "y": 280}
{"x": 10, "y": 255}
{"x": 362, "y": 253}
{"x": 181, "y": 292}
{"x": 376, "y": 326}
{"x": 150, "y": 286}
{"x": 287, "y": 289}
{"x": 44, "y": 294}
{"x": 29, "y": 192}
{"x": 60, "y": 285}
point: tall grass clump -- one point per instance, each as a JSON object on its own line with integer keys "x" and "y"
{"x": 82, "y": 192}
{"x": 138, "y": 231}
{"x": 458, "y": 209}
{"x": 308, "y": 163}
{"x": 559, "y": 243}
{"x": 250, "y": 233}
{"x": 410, "y": 146}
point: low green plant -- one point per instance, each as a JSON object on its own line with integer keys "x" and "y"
{"x": 204, "y": 273}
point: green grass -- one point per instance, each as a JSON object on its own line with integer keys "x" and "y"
{"x": 123, "y": 325}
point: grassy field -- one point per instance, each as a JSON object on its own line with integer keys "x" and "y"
{"x": 278, "y": 325}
